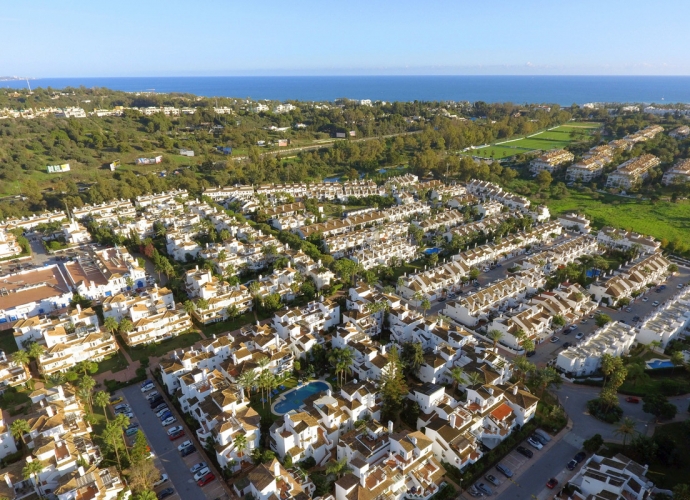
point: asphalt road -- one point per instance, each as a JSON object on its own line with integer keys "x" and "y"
{"x": 164, "y": 449}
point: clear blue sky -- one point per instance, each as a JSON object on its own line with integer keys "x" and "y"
{"x": 47, "y": 38}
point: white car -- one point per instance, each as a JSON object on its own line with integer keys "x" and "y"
{"x": 150, "y": 397}
{"x": 645, "y": 299}
{"x": 184, "y": 445}
{"x": 655, "y": 303}
{"x": 201, "y": 473}
{"x": 175, "y": 430}
{"x": 197, "y": 467}
{"x": 162, "y": 411}
{"x": 579, "y": 335}
{"x": 163, "y": 478}
{"x": 534, "y": 443}
{"x": 168, "y": 421}
{"x": 554, "y": 340}
{"x": 147, "y": 388}
{"x": 680, "y": 285}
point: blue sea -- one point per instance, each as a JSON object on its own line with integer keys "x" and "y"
{"x": 563, "y": 90}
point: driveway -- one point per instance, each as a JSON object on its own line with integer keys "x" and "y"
{"x": 164, "y": 449}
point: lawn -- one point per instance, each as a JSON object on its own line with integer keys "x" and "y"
{"x": 534, "y": 143}
{"x": 228, "y": 326}
{"x": 583, "y": 124}
{"x": 7, "y": 342}
{"x": 554, "y": 135}
{"x": 663, "y": 220}
{"x": 157, "y": 350}
{"x": 114, "y": 363}
{"x": 496, "y": 152}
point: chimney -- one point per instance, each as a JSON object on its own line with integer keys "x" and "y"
{"x": 49, "y": 410}
{"x": 452, "y": 419}
{"x": 362, "y": 479}
{"x": 390, "y": 427}
{"x": 515, "y": 389}
{"x": 328, "y": 393}
{"x": 8, "y": 481}
{"x": 78, "y": 308}
{"x": 276, "y": 468}
{"x": 490, "y": 390}
{"x": 81, "y": 470}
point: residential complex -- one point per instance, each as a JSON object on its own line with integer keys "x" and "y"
{"x": 632, "y": 172}
{"x": 551, "y": 161}
{"x": 678, "y": 173}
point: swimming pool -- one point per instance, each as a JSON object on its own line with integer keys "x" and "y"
{"x": 431, "y": 251}
{"x": 653, "y": 364}
{"x": 293, "y": 399}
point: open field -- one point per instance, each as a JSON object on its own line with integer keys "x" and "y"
{"x": 536, "y": 143}
{"x": 497, "y": 152}
{"x": 583, "y": 124}
{"x": 661, "y": 220}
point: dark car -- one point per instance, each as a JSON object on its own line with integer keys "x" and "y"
{"x": 572, "y": 464}
{"x": 484, "y": 488}
{"x": 524, "y": 451}
{"x": 188, "y": 451}
{"x": 475, "y": 492}
{"x": 580, "y": 457}
{"x": 566, "y": 345}
{"x": 538, "y": 437}
{"x": 531, "y": 353}
{"x": 551, "y": 483}
{"x": 504, "y": 470}
{"x": 177, "y": 435}
{"x": 636, "y": 319}
{"x": 632, "y": 399}
{"x": 492, "y": 479}
{"x": 166, "y": 493}
{"x": 155, "y": 402}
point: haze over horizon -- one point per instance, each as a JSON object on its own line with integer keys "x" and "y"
{"x": 127, "y": 38}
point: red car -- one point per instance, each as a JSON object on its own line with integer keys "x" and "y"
{"x": 551, "y": 483}
{"x": 632, "y": 399}
{"x": 206, "y": 479}
{"x": 177, "y": 435}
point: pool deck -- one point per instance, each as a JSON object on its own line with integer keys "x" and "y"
{"x": 651, "y": 364}
{"x": 281, "y": 397}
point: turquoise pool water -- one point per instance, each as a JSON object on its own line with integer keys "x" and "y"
{"x": 293, "y": 400}
{"x": 659, "y": 363}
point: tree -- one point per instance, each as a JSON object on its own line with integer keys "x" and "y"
{"x": 189, "y": 306}
{"x": 457, "y": 374}
{"x": 425, "y": 305}
{"x": 101, "y": 399}
{"x": 659, "y": 406}
{"x": 636, "y": 373}
{"x": 677, "y": 358}
{"x": 247, "y": 380}
{"x": 142, "y": 475}
{"x": 681, "y": 492}
{"x": 19, "y": 429}
{"x": 542, "y": 378}
{"x": 601, "y": 319}
{"x": 495, "y": 336}
{"x": 593, "y": 444}
{"x": 126, "y": 325}
{"x": 524, "y": 367}
{"x": 32, "y": 470}
{"x": 393, "y": 386}
{"x": 558, "y": 320}
{"x": 625, "y": 429}
{"x": 412, "y": 357}
{"x": 36, "y": 350}
{"x": 21, "y": 358}
{"x": 338, "y": 467}
{"x": 86, "y": 386}
{"x": 473, "y": 378}
{"x": 544, "y": 179}
{"x": 607, "y": 365}
{"x": 240, "y": 443}
{"x": 146, "y": 495}
{"x": 139, "y": 451}
{"x": 110, "y": 324}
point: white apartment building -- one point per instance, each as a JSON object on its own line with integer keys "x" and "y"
{"x": 33, "y": 220}
{"x": 574, "y": 222}
{"x": 489, "y": 209}
{"x": 12, "y": 374}
{"x": 75, "y": 233}
{"x": 8, "y": 245}
{"x": 584, "y": 358}
{"x": 220, "y": 296}
{"x": 551, "y": 161}
{"x": 385, "y": 253}
{"x": 680, "y": 133}
{"x": 650, "y": 269}
{"x": 434, "y": 282}
{"x": 103, "y": 273}
{"x": 488, "y": 190}
{"x": 312, "y": 318}
{"x": 626, "y": 240}
{"x": 159, "y": 198}
{"x": 7, "y": 444}
{"x": 112, "y": 208}
{"x": 32, "y": 292}
{"x": 632, "y": 172}
{"x": 667, "y": 322}
{"x": 617, "y": 477}
{"x": 678, "y": 173}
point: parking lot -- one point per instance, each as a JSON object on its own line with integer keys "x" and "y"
{"x": 167, "y": 456}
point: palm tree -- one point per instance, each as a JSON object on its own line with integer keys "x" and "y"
{"x": 677, "y": 358}
{"x": 240, "y": 442}
{"x": 338, "y": 467}
{"x": 86, "y": 389}
{"x": 101, "y": 399}
{"x": 122, "y": 422}
{"x": 334, "y": 359}
{"x": 126, "y": 325}
{"x": 626, "y": 428}
{"x": 32, "y": 470}
{"x": 457, "y": 374}
{"x": 19, "y": 429}
{"x": 524, "y": 367}
{"x": 110, "y": 324}
{"x": 36, "y": 350}
{"x": 146, "y": 495}
{"x": 346, "y": 361}
{"x": 495, "y": 336}
{"x": 21, "y": 358}
{"x": 113, "y": 436}
{"x": 189, "y": 306}
{"x": 473, "y": 378}
{"x": 636, "y": 373}
{"x": 247, "y": 380}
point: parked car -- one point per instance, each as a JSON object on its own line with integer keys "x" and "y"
{"x": 645, "y": 299}
{"x": 572, "y": 328}
{"x": 123, "y": 406}
{"x": 151, "y": 396}
{"x": 206, "y": 479}
{"x": 632, "y": 399}
{"x": 161, "y": 480}
{"x": 524, "y": 451}
{"x": 662, "y": 287}
{"x": 116, "y": 399}
{"x": 157, "y": 401}
{"x": 201, "y": 473}
{"x": 184, "y": 445}
{"x": 566, "y": 345}
{"x": 475, "y": 492}
{"x": 484, "y": 488}
{"x": 163, "y": 411}
{"x": 168, "y": 421}
{"x": 679, "y": 286}
{"x": 166, "y": 415}
{"x": 579, "y": 335}
{"x": 636, "y": 319}
{"x": 197, "y": 467}
{"x": 131, "y": 431}
{"x": 551, "y": 483}
{"x": 655, "y": 303}
{"x": 188, "y": 451}
{"x": 535, "y": 443}
{"x": 571, "y": 465}
{"x": 539, "y": 438}
{"x": 504, "y": 470}
{"x": 531, "y": 353}
{"x": 583, "y": 322}
{"x": 554, "y": 340}
{"x": 160, "y": 407}
{"x": 166, "y": 493}
{"x": 175, "y": 429}
{"x": 543, "y": 435}
{"x": 492, "y": 479}
{"x": 176, "y": 436}
{"x": 148, "y": 387}
{"x": 580, "y": 457}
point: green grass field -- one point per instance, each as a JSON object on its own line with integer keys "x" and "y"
{"x": 497, "y": 152}
{"x": 583, "y": 124}
{"x": 535, "y": 143}
{"x": 661, "y": 220}
{"x": 553, "y": 135}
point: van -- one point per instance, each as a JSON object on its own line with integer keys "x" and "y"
{"x": 543, "y": 434}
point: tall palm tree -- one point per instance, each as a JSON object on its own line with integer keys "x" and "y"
{"x": 101, "y": 399}
{"x": 347, "y": 359}
{"x": 146, "y": 495}
{"x": 457, "y": 374}
{"x": 36, "y": 350}
{"x": 248, "y": 381}
{"x": 524, "y": 367}
{"x": 334, "y": 360}
{"x": 625, "y": 429}
{"x": 240, "y": 442}
{"x": 19, "y": 429}
{"x": 21, "y": 358}
{"x": 110, "y": 324}
{"x": 33, "y": 469}
{"x": 473, "y": 378}
{"x": 122, "y": 421}
{"x": 495, "y": 336}
{"x": 338, "y": 467}
{"x": 189, "y": 306}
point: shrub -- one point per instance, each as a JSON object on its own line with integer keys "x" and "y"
{"x": 610, "y": 415}
{"x": 593, "y": 444}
